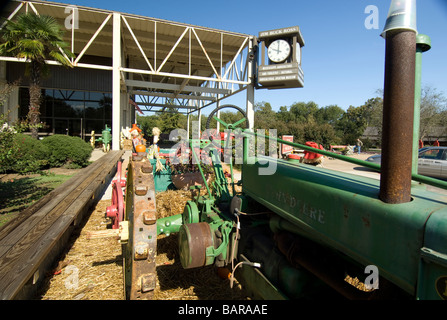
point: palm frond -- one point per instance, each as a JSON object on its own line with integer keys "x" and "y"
{"x": 58, "y": 56}
{"x": 34, "y": 37}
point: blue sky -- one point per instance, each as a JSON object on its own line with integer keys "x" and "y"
{"x": 343, "y": 61}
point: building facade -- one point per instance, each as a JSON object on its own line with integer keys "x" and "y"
{"x": 125, "y": 64}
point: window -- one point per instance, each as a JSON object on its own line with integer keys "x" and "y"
{"x": 70, "y": 112}
{"x": 431, "y": 154}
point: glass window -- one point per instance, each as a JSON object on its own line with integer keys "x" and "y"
{"x": 74, "y": 127}
{"x": 93, "y": 110}
{"x": 76, "y": 109}
{"x": 72, "y": 112}
{"x": 76, "y": 95}
{"x": 94, "y": 96}
{"x": 69, "y": 95}
{"x": 23, "y": 102}
{"x": 47, "y": 99}
{"x": 63, "y": 109}
{"x": 60, "y": 94}
{"x": 94, "y": 125}
{"x": 106, "y": 102}
{"x": 431, "y": 154}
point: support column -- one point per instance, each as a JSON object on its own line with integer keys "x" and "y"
{"x": 199, "y": 119}
{"x": 218, "y": 114}
{"x": 423, "y": 43}
{"x": 188, "y": 116}
{"x": 251, "y": 87}
{"x": 116, "y": 82}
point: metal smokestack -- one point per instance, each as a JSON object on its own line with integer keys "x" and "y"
{"x": 398, "y": 102}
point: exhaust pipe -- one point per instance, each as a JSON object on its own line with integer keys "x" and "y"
{"x": 398, "y": 102}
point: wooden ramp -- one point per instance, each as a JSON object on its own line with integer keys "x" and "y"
{"x": 30, "y": 243}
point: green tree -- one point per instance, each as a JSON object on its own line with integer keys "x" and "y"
{"x": 373, "y": 109}
{"x": 147, "y": 123}
{"x": 35, "y": 38}
{"x": 265, "y": 117}
{"x": 329, "y": 114}
{"x": 284, "y": 116}
{"x": 433, "y": 110}
{"x": 352, "y": 124}
{"x": 169, "y": 120}
{"x": 302, "y": 111}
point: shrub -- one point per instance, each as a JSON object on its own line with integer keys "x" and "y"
{"x": 7, "y": 145}
{"x": 30, "y": 155}
{"x": 67, "y": 150}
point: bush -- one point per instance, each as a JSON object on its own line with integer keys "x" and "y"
{"x": 30, "y": 155}
{"x": 66, "y": 150}
{"x": 7, "y": 145}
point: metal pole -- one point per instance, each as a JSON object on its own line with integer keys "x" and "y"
{"x": 398, "y": 113}
{"x": 398, "y": 102}
{"x": 251, "y": 87}
{"x": 423, "y": 44}
{"x": 116, "y": 84}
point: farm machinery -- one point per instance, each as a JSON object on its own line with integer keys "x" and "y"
{"x": 299, "y": 232}
{"x": 296, "y": 231}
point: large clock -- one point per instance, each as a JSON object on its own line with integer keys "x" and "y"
{"x": 278, "y": 50}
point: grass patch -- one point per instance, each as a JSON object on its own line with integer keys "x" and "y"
{"x": 18, "y": 194}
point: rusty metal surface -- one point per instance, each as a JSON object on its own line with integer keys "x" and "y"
{"x": 140, "y": 251}
{"x": 398, "y": 111}
{"x": 194, "y": 238}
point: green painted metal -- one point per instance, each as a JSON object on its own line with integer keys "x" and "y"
{"x": 263, "y": 289}
{"x": 162, "y": 179}
{"x": 169, "y": 225}
{"x": 191, "y": 213}
{"x": 344, "y": 212}
{"x": 423, "y": 43}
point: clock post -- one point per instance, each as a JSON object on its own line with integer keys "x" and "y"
{"x": 282, "y": 68}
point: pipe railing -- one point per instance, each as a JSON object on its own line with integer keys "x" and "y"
{"x": 416, "y": 177}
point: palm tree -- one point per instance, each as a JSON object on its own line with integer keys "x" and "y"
{"x": 35, "y": 38}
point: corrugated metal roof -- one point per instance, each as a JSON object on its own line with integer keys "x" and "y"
{"x": 156, "y": 37}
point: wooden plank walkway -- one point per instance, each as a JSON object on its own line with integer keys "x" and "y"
{"x": 30, "y": 243}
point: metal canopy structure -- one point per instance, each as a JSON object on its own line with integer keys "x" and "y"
{"x": 156, "y": 65}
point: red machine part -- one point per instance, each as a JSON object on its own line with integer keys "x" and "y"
{"x": 116, "y": 210}
{"x": 312, "y": 155}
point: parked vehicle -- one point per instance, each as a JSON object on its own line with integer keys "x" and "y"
{"x": 432, "y": 161}
{"x": 377, "y": 158}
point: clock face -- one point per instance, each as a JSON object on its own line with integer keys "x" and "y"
{"x": 278, "y": 50}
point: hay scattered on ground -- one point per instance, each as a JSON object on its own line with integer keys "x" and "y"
{"x": 171, "y": 202}
{"x": 92, "y": 268}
